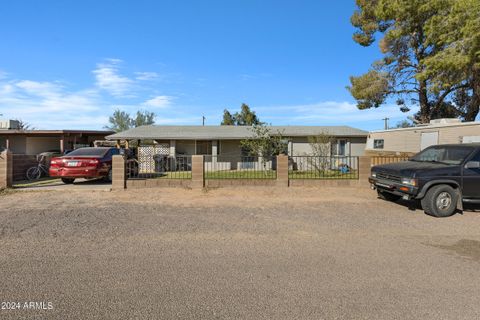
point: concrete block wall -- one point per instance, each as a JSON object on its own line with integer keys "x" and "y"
{"x": 364, "y": 166}
{"x": 6, "y": 169}
{"x": 118, "y": 173}
{"x": 120, "y": 181}
{"x": 198, "y": 172}
{"x": 282, "y": 171}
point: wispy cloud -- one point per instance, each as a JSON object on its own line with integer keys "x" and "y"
{"x": 159, "y": 102}
{"x": 144, "y": 76}
{"x": 55, "y": 105}
{"x": 108, "y": 78}
{"x": 49, "y": 105}
{"x": 329, "y": 113}
{"x": 3, "y": 74}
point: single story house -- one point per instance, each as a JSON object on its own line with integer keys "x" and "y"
{"x": 36, "y": 141}
{"x": 415, "y": 139}
{"x": 225, "y": 140}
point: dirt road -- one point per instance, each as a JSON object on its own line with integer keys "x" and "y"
{"x": 301, "y": 253}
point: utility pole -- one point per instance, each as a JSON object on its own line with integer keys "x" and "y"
{"x": 203, "y": 120}
{"x": 386, "y": 122}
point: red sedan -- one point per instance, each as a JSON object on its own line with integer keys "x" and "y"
{"x": 86, "y": 163}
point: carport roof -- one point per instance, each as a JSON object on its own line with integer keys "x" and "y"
{"x": 52, "y": 132}
{"x": 228, "y": 132}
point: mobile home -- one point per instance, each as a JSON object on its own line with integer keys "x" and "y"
{"x": 415, "y": 139}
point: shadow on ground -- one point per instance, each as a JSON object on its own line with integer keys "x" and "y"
{"x": 57, "y": 183}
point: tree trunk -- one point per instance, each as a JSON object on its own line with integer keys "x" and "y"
{"x": 425, "y": 110}
{"x": 474, "y": 106}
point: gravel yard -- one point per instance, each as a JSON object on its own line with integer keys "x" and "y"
{"x": 253, "y": 253}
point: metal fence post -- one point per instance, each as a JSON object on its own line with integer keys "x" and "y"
{"x": 6, "y": 169}
{"x": 282, "y": 170}
{"x": 198, "y": 168}
{"x": 118, "y": 173}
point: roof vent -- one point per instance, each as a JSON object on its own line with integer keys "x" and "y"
{"x": 445, "y": 121}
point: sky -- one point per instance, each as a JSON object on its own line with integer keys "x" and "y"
{"x": 70, "y": 64}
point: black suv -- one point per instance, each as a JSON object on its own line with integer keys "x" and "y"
{"x": 442, "y": 177}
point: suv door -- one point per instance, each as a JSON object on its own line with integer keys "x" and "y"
{"x": 471, "y": 180}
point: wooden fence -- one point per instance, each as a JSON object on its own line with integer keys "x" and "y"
{"x": 384, "y": 160}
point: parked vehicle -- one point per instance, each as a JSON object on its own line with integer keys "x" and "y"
{"x": 442, "y": 177}
{"x": 86, "y": 163}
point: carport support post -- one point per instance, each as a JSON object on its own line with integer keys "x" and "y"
{"x": 198, "y": 178}
{"x": 282, "y": 170}
{"x": 6, "y": 169}
{"x": 364, "y": 166}
{"x": 118, "y": 173}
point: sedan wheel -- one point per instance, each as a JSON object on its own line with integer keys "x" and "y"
{"x": 68, "y": 180}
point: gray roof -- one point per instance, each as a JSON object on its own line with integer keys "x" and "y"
{"x": 228, "y": 132}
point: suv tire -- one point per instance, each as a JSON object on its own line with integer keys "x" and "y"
{"x": 387, "y": 196}
{"x": 440, "y": 201}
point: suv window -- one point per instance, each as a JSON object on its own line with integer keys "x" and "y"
{"x": 476, "y": 157}
{"x": 445, "y": 154}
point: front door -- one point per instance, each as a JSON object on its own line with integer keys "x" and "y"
{"x": 471, "y": 180}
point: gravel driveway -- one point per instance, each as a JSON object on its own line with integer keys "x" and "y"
{"x": 301, "y": 253}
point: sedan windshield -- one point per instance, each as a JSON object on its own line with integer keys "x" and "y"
{"x": 443, "y": 154}
{"x": 83, "y": 152}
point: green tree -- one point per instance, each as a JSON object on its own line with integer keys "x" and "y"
{"x": 119, "y": 121}
{"x": 264, "y": 143}
{"x": 405, "y": 124}
{"x": 404, "y": 72}
{"x": 246, "y": 117}
{"x": 228, "y": 119}
{"x": 321, "y": 146}
{"x": 456, "y": 30}
{"x": 144, "y": 118}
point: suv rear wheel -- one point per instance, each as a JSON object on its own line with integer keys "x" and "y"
{"x": 440, "y": 201}
{"x": 387, "y": 196}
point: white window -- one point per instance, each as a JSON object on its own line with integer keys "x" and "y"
{"x": 340, "y": 148}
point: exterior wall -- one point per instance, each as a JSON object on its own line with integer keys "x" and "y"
{"x": 409, "y": 140}
{"x": 18, "y": 144}
{"x": 301, "y": 146}
{"x": 357, "y": 146}
{"x": 186, "y": 147}
{"x": 455, "y": 135}
{"x": 36, "y": 145}
{"x": 230, "y": 148}
{"x": 3, "y": 143}
{"x": 298, "y": 146}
